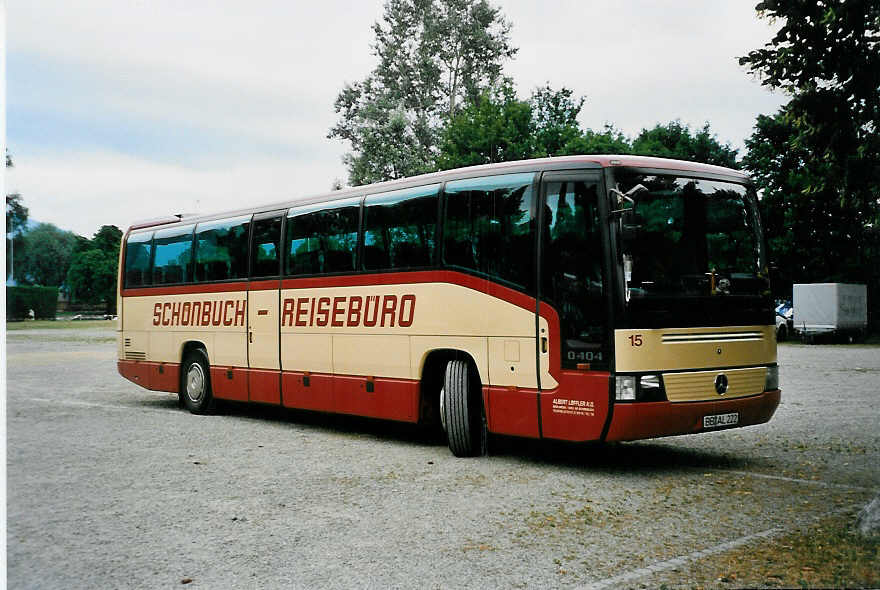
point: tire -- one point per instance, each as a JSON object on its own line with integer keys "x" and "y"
{"x": 462, "y": 412}
{"x": 195, "y": 383}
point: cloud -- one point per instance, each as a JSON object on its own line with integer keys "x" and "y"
{"x": 83, "y": 191}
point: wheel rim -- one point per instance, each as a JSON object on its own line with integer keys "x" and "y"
{"x": 195, "y": 383}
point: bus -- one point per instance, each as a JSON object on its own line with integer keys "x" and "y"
{"x": 578, "y": 298}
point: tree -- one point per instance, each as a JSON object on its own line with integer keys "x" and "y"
{"x": 46, "y": 253}
{"x": 608, "y": 141}
{"x": 497, "y": 128}
{"x": 92, "y": 278}
{"x": 435, "y": 57}
{"x": 555, "y": 113}
{"x": 107, "y": 239}
{"x": 818, "y": 159}
{"x": 92, "y": 275}
{"x": 675, "y": 140}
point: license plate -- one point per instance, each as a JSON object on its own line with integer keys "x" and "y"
{"x": 719, "y": 420}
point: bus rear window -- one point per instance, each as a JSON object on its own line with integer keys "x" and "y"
{"x": 138, "y": 249}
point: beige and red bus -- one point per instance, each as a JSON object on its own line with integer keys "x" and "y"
{"x": 582, "y": 298}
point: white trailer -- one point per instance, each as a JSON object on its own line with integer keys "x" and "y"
{"x": 830, "y": 309}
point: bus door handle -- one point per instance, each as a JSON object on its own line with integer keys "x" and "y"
{"x": 544, "y": 344}
{"x": 250, "y": 336}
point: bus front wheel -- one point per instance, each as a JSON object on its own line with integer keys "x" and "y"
{"x": 462, "y": 413}
{"x": 195, "y": 389}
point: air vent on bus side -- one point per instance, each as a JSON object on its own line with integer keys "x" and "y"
{"x": 133, "y": 355}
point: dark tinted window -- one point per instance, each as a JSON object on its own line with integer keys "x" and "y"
{"x": 571, "y": 272}
{"x": 265, "y": 248}
{"x": 172, "y": 260}
{"x": 221, "y": 249}
{"x": 324, "y": 240}
{"x": 138, "y": 248}
{"x": 488, "y": 228}
{"x": 399, "y": 228}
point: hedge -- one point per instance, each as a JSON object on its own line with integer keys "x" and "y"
{"x": 20, "y": 300}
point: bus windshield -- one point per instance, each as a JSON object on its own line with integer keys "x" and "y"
{"x": 691, "y": 237}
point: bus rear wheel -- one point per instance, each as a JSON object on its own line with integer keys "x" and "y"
{"x": 195, "y": 387}
{"x": 461, "y": 409}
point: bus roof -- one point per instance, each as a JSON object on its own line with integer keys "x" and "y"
{"x": 537, "y": 164}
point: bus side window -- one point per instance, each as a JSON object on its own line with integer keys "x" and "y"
{"x": 138, "y": 250}
{"x": 399, "y": 228}
{"x": 488, "y": 227}
{"x": 265, "y": 259}
{"x": 221, "y": 249}
{"x": 172, "y": 258}
{"x": 323, "y": 240}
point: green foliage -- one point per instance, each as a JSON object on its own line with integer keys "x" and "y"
{"x": 434, "y": 56}
{"x": 494, "y": 129}
{"x": 675, "y": 140}
{"x": 607, "y": 141}
{"x": 554, "y": 115}
{"x": 500, "y": 127}
{"x": 92, "y": 275}
{"x": 92, "y": 278}
{"x": 20, "y": 300}
{"x": 45, "y": 255}
{"x": 818, "y": 159}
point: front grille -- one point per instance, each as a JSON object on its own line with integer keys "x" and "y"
{"x": 692, "y": 386}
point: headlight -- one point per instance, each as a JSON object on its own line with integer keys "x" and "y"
{"x": 772, "y": 381}
{"x": 625, "y": 388}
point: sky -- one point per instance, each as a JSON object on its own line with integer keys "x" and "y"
{"x": 122, "y": 110}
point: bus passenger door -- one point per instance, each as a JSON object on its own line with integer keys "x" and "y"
{"x": 264, "y": 374}
{"x": 573, "y": 340}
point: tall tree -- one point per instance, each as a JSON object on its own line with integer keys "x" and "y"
{"x": 676, "y": 140}
{"x": 826, "y": 56}
{"x": 46, "y": 255}
{"x": 435, "y": 57}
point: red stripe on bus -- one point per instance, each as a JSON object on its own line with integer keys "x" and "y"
{"x": 236, "y": 286}
{"x": 265, "y": 285}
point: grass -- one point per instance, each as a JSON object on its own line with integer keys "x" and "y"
{"x": 826, "y": 554}
{"x": 59, "y": 325}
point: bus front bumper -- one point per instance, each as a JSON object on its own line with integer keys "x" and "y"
{"x": 640, "y": 420}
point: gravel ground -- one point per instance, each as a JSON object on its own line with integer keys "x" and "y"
{"x": 111, "y": 485}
